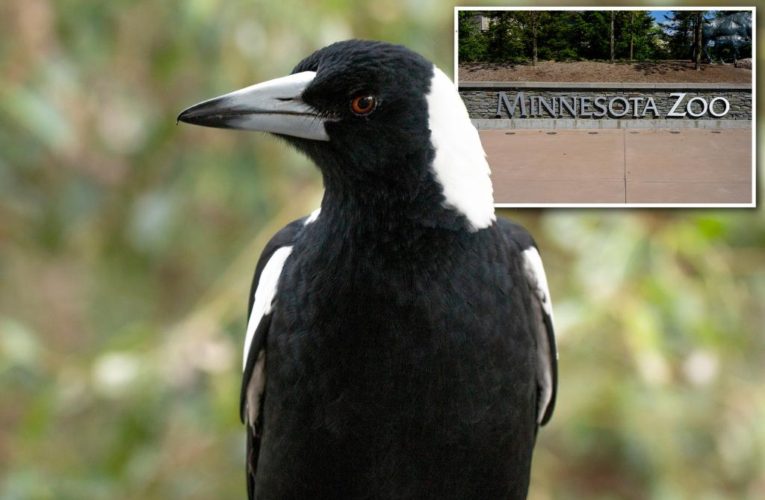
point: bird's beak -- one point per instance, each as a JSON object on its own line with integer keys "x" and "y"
{"x": 273, "y": 106}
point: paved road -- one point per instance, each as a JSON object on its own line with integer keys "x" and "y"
{"x": 620, "y": 166}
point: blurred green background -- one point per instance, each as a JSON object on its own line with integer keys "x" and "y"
{"x": 127, "y": 245}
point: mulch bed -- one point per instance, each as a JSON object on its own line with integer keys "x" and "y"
{"x": 592, "y": 71}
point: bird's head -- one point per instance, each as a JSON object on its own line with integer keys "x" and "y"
{"x": 376, "y": 118}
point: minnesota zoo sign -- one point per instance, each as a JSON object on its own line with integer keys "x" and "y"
{"x": 607, "y": 105}
{"x": 678, "y": 105}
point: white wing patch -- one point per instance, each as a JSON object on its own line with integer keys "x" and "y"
{"x": 264, "y": 295}
{"x": 264, "y": 299}
{"x": 255, "y": 388}
{"x": 535, "y": 273}
{"x": 460, "y": 162}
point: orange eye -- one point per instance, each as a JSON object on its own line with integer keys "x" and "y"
{"x": 363, "y": 104}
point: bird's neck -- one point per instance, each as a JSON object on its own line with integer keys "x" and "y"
{"x": 403, "y": 209}
{"x": 352, "y": 230}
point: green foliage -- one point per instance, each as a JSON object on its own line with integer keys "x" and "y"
{"x": 670, "y": 305}
{"x": 127, "y": 245}
{"x": 505, "y": 43}
{"x": 678, "y": 33}
{"x": 473, "y": 44}
{"x": 561, "y": 35}
{"x": 594, "y": 40}
{"x": 636, "y": 28}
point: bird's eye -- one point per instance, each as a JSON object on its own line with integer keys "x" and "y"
{"x": 363, "y": 104}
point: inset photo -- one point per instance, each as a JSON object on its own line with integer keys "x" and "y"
{"x": 619, "y": 107}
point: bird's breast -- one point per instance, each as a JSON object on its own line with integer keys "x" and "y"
{"x": 387, "y": 369}
{"x": 373, "y": 335}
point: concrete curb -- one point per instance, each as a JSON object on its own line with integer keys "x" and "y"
{"x": 562, "y": 123}
{"x": 604, "y": 85}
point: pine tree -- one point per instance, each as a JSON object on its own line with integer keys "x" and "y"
{"x": 678, "y": 33}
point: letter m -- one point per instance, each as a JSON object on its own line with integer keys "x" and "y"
{"x": 510, "y": 107}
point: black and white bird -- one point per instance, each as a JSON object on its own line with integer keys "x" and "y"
{"x": 400, "y": 340}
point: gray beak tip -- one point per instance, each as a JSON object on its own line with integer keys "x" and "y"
{"x": 185, "y": 116}
{"x": 205, "y": 113}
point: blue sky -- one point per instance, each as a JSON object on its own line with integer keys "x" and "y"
{"x": 659, "y": 15}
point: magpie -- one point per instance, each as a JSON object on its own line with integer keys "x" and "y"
{"x": 400, "y": 339}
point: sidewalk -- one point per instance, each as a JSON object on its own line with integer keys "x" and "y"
{"x": 620, "y": 166}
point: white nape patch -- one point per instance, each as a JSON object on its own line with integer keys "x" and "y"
{"x": 535, "y": 274}
{"x": 312, "y": 218}
{"x": 460, "y": 162}
{"x": 264, "y": 295}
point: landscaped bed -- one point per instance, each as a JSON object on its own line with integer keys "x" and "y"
{"x": 592, "y": 71}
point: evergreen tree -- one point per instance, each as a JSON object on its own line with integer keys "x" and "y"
{"x": 505, "y": 38}
{"x": 529, "y": 36}
{"x": 636, "y": 38}
{"x": 562, "y": 39}
{"x": 678, "y": 33}
{"x": 595, "y": 34}
{"x": 472, "y": 43}
{"x": 533, "y": 24}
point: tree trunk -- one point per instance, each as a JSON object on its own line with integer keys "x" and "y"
{"x": 612, "y": 36}
{"x": 534, "y": 38}
{"x": 632, "y": 44}
{"x": 697, "y": 37}
{"x": 632, "y": 33}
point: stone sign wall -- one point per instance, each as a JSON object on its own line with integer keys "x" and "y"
{"x": 598, "y": 105}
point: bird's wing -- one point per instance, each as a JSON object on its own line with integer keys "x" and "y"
{"x": 261, "y": 303}
{"x": 547, "y": 354}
